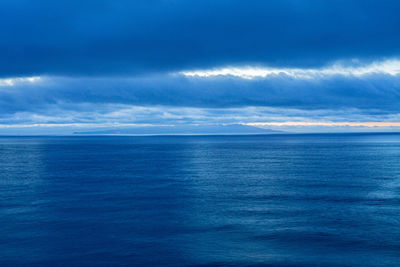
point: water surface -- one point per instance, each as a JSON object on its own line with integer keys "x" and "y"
{"x": 331, "y": 199}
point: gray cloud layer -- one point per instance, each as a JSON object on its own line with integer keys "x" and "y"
{"x": 381, "y": 92}
{"x": 178, "y": 99}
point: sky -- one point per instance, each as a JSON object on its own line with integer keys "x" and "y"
{"x": 297, "y": 66}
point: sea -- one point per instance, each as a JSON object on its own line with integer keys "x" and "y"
{"x": 249, "y": 200}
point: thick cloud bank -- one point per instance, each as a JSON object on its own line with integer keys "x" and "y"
{"x": 176, "y": 98}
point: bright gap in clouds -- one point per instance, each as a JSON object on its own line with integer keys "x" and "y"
{"x": 387, "y": 67}
{"x": 14, "y": 81}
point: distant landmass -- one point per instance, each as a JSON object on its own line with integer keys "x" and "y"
{"x": 182, "y": 129}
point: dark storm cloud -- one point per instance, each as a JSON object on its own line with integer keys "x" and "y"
{"x": 83, "y": 38}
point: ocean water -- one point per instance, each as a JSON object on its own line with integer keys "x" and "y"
{"x": 328, "y": 200}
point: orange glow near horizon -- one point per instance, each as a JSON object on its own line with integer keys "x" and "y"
{"x": 351, "y": 124}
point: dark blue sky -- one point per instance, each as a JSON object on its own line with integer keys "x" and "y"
{"x": 322, "y": 61}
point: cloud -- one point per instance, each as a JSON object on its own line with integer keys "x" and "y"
{"x": 113, "y": 38}
{"x": 67, "y": 119}
{"x": 375, "y": 91}
{"x": 18, "y": 80}
{"x": 129, "y": 115}
{"x": 386, "y": 67}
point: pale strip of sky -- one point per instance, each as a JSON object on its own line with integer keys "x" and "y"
{"x": 256, "y": 124}
{"x": 84, "y": 125}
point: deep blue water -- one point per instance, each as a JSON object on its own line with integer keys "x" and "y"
{"x": 331, "y": 199}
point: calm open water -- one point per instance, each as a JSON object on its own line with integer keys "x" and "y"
{"x": 331, "y": 199}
